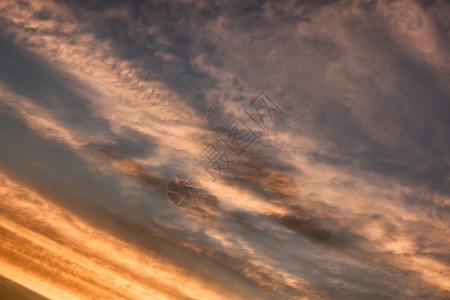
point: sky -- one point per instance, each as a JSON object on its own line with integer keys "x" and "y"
{"x": 183, "y": 149}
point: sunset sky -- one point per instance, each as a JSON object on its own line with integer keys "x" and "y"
{"x": 343, "y": 192}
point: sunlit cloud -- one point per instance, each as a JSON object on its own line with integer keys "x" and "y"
{"x": 345, "y": 195}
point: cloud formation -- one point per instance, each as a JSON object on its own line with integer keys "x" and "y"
{"x": 345, "y": 197}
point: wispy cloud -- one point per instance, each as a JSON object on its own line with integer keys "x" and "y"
{"x": 347, "y": 197}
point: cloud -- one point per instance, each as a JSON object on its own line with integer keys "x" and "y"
{"x": 346, "y": 197}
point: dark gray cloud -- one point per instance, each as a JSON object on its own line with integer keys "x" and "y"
{"x": 51, "y": 89}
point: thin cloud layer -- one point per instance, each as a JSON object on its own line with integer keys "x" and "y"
{"x": 345, "y": 197}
